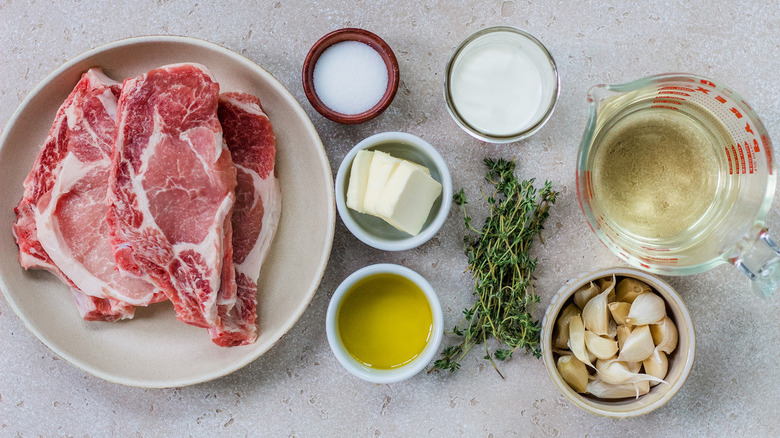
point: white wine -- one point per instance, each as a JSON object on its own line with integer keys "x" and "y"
{"x": 656, "y": 173}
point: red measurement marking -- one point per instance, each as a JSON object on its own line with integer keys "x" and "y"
{"x": 720, "y": 99}
{"x": 731, "y": 166}
{"x": 662, "y": 260}
{"x": 665, "y": 106}
{"x": 736, "y": 158}
{"x": 703, "y": 90}
{"x": 708, "y": 83}
{"x": 690, "y": 90}
{"x": 742, "y": 158}
{"x": 747, "y": 106}
{"x": 756, "y": 149}
{"x": 678, "y": 93}
{"x": 768, "y": 151}
{"x": 673, "y": 102}
{"x": 747, "y": 128}
{"x": 749, "y": 152}
{"x": 655, "y": 249}
{"x": 644, "y": 266}
{"x": 736, "y": 112}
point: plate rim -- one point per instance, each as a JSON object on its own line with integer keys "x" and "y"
{"x": 331, "y": 212}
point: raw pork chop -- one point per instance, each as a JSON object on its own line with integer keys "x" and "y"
{"x": 70, "y": 218}
{"x": 250, "y": 138}
{"x": 83, "y": 121}
{"x": 171, "y": 190}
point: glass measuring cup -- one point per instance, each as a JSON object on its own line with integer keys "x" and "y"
{"x": 675, "y": 175}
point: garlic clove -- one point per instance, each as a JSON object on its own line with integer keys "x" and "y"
{"x": 630, "y": 288}
{"x": 577, "y": 340}
{"x": 612, "y": 329}
{"x": 595, "y": 314}
{"x": 604, "y": 390}
{"x": 664, "y": 335}
{"x": 607, "y": 283}
{"x": 602, "y": 348}
{"x": 619, "y": 311}
{"x": 657, "y": 365}
{"x": 591, "y": 357}
{"x": 561, "y": 330}
{"x": 573, "y": 372}
{"x": 638, "y": 346}
{"x": 647, "y": 308}
{"x": 634, "y": 367}
{"x": 585, "y": 293}
{"x": 622, "y": 334}
{"x": 617, "y": 372}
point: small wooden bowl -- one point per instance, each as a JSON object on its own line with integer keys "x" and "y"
{"x": 350, "y": 34}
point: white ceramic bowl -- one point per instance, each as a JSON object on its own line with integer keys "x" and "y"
{"x": 680, "y": 361}
{"x": 374, "y": 231}
{"x": 400, "y": 373}
{"x": 155, "y": 349}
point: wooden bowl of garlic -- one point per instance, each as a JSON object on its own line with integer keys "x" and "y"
{"x": 618, "y": 342}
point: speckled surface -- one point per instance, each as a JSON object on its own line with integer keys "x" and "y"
{"x": 298, "y": 388}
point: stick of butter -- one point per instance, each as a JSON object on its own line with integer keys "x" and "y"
{"x": 358, "y": 178}
{"x": 407, "y": 197}
{"x": 379, "y": 170}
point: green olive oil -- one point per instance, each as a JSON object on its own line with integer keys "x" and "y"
{"x": 385, "y": 321}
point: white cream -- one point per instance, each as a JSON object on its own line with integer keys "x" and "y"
{"x": 502, "y": 84}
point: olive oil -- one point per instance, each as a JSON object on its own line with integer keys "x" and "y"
{"x": 656, "y": 174}
{"x": 384, "y": 321}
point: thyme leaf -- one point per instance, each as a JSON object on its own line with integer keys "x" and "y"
{"x": 502, "y": 269}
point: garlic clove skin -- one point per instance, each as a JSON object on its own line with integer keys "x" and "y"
{"x": 657, "y": 365}
{"x": 619, "y": 311}
{"x": 585, "y": 293}
{"x": 577, "y": 340}
{"x": 602, "y": 348}
{"x": 561, "y": 331}
{"x": 630, "y": 288}
{"x": 647, "y": 308}
{"x": 634, "y": 367}
{"x": 595, "y": 314}
{"x": 638, "y": 346}
{"x": 664, "y": 335}
{"x": 616, "y": 372}
{"x": 622, "y": 334}
{"x": 609, "y": 391}
{"x": 573, "y": 372}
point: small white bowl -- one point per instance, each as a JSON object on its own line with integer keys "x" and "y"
{"x": 374, "y": 231}
{"x": 396, "y": 374}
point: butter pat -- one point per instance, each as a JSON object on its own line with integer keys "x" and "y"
{"x": 379, "y": 171}
{"x": 407, "y": 197}
{"x": 358, "y": 179}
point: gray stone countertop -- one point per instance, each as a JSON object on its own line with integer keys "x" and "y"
{"x": 298, "y": 388}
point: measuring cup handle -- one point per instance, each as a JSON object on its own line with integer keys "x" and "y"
{"x": 760, "y": 261}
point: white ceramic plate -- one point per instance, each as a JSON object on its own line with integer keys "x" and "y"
{"x": 154, "y": 349}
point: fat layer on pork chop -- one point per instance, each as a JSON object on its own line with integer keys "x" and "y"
{"x": 249, "y": 136}
{"x": 84, "y": 122}
{"x": 171, "y": 191}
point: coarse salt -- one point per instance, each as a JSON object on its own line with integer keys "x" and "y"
{"x": 350, "y": 77}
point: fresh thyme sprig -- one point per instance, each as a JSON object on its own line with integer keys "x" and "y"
{"x": 498, "y": 257}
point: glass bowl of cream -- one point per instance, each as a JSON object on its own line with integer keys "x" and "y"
{"x": 501, "y": 84}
